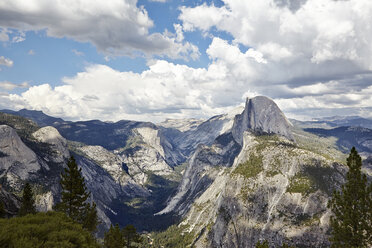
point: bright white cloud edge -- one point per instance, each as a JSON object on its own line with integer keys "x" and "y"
{"x": 305, "y": 64}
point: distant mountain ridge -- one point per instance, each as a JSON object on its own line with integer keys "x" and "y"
{"x": 250, "y": 169}
{"x": 37, "y": 116}
{"x": 335, "y": 121}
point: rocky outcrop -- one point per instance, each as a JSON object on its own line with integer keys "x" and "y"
{"x": 58, "y": 144}
{"x": 115, "y": 167}
{"x": 17, "y": 161}
{"x": 274, "y": 191}
{"x": 261, "y": 115}
{"x": 204, "y": 133}
{"x": 44, "y": 202}
{"x": 196, "y": 178}
{"x": 11, "y": 202}
{"x": 182, "y": 125}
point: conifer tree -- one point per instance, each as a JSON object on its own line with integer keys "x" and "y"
{"x": 91, "y": 220}
{"x": 2, "y": 210}
{"x": 351, "y": 222}
{"x": 74, "y": 197}
{"x": 131, "y": 236}
{"x": 28, "y": 201}
{"x": 114, "y": 237}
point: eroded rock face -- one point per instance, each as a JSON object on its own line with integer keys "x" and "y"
{"x": 17, "y": 161}
{"x": 196, "y": 178}
{"x": 204, "y": 133}
{"x": 58, "y": 144}
{"x": 11, "y": 202}
{"x": 281, "y": 197}
{"x": 261, "y": 115}
{"x": 44, "y": 202}
{"x": 114, "y": 166}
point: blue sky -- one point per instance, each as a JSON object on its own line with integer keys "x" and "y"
{"x": 151, "y": 60}
{"x": 54, "y": 58}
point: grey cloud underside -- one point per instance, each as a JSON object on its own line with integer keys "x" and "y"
{"x": 116, "y": 36}
{"x": 120, "y": 28}
{"x": 291, "y": 4}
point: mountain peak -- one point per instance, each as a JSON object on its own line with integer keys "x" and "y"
{"x": 262, "y": 115}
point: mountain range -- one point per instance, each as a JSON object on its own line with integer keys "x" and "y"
{"x": 230, "y": 181}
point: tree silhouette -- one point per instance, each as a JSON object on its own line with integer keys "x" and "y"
{"x": 131, "y": 236}
{"x": 351, "y": 222}
{"x": 74, "y": 197}
{"x": 28, "y": 201}
{"x": 2, "y": 210}
{"x": 114, "y": 237}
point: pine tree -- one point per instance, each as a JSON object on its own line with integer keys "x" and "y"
{"x": 2, "y": 210}
{"x": 28, "y": 201}
{"x": 351, "y": 222}
{"x": 114, "y": 237}
{"x": 46, "y": 230}
{"x": 74, "y": 196}
{"x": 91, "y": 219}
{"x": 131, "y": 236}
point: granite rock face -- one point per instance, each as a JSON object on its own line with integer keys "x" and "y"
{"x": 273, "y": 191}
{"x": 58, "y": 144}
{"x": 254, "y": 182}
{"x": 190, "y": 134}
{"x": 261, "y": 115}
{"x": 17, "y": 161}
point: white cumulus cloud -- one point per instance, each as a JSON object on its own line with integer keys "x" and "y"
{"x": 313, "y": 58}
{"x": 115, "y": 27}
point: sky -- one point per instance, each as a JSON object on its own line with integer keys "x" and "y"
{"x": 150, "y": 60}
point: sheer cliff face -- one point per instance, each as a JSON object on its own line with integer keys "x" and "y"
{"x": 274, "y": 190}
{"x": 254, "y": 182}
{"x": 261, "y": 115}
{"x": 17, "y": 161}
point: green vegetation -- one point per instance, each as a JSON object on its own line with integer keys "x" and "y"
{"x": 133, "y": 141}
{"x": 28, "y": 201}
{"x": 74, "y": 196}
{"x": 262, "y": 244}
{"x": 311, "y": 178}
{"x": 351, "y": 223}
{"x": 44, "y": 230}
{"x": 200, "y": 207}
{"x": 320, "y": 177}
{"x": 131, "y": 237}
{"x": 114, "y": 237}
{"x": 126, "y": 237}
{"x": 23, "y": 126}
{"x": 272, "y": 173}
{"x": 173, "y": 237}
{"x": 323, "y": 146}
{"x": 265, "y": 244}
{"x": 251, "y": 168}
{"x": 301, "y": 184}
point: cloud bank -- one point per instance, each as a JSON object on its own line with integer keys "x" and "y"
{"x": 115, "y": 27}
{"x": 312, "y": 57}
